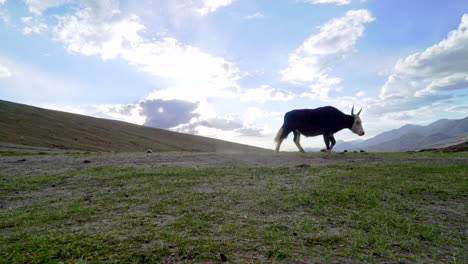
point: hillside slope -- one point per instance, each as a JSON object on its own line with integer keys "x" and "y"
{"x": 33, "y": 126}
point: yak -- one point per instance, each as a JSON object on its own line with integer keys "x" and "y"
{"x": 324, "y": 121}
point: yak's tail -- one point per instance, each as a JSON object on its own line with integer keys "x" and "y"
{"x": 279, "y": 135}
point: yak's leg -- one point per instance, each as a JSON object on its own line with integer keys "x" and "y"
{"x": 297, "y": 140}
{"x": 326, "y": 138}
{"x": 279, "y": 144}
{"x": 333, "y": 141}
{"x": 282, "y": 134}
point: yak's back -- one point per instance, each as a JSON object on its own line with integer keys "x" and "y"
{"x": 321, "y": 113}
{"x": 325, "y": 119}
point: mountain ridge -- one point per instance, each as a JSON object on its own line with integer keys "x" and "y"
{"x": 440, "y": 133}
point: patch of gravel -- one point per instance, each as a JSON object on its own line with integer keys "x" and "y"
{"x": 37, "y": 164}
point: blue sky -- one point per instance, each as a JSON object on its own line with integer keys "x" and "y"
{"x": 230, "y": 69}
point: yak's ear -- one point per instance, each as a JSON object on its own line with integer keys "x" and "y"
{"x": 359, "y": 111}
{"x": 352, "y": 110}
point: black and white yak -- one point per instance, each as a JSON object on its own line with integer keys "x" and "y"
{"x": 324, "y": 121}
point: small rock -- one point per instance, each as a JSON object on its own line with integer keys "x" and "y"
{"x": 147, "y": 241}
{"x": 302, "y": 165}
{"x": 294, "y": 234}
{"x": 86, "y": 161}
{"x": 223, "y": 257}
{"x": 53, "y": 185}
{"x": 21, "y": 160}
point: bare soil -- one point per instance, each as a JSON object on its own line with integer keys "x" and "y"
{"x": 36, "y": 164}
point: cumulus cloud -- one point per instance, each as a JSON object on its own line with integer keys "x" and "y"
{"x": 313, "y": 60}
{"x": 429, "y": 76}
{"x": 168, "y": 114}
{"x": 164, "y": 114}
{"x": 4, "y": 72}
{"x": 132, "y": 113}
{"x": 2, "y": 2}
{"x": 92, "y": 31}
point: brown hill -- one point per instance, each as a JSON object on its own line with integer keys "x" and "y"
{"x": 33, "y": 126}
{"x": 463, "y": 147}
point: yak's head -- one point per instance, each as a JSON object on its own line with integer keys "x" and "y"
{"x": 357, "y": 125}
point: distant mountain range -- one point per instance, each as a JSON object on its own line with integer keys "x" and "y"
{"x": 442, "y": 133}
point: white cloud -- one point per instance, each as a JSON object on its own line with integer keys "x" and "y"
{"x": 255, "y": 16}
{"x": 336, "y": 2}
{"x": 462, "y": 108}
{"x": 209, "y": 6}
{"x": 427, "y": 77}
{"x": 172, "y": 59}
{"x": 252, "y": 114}
{"x": 266, "y": 93}
{"x": 441, "y": 60}
{"x": 4, "y": 72}
{"x": 115, "y": 35}
{"x": 313, "y": 60}
{"x": 320, "y": 89}
{"x": 2, "y": 2}
{"x": 38, "y": 6}
{"x": 317, "y": 53}
{"x": 85, "y": 33}
{"x": 360, "y": 94}
{"x": 33, "y": 25}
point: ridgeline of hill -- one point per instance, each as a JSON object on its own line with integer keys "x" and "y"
{"x": 32, "y": 126}
{"x": 439, "y": 134}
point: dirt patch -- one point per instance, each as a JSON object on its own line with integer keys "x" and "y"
{"x": 37, "y": 164}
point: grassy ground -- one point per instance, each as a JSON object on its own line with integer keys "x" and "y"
{"x": 389, "y": 213}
